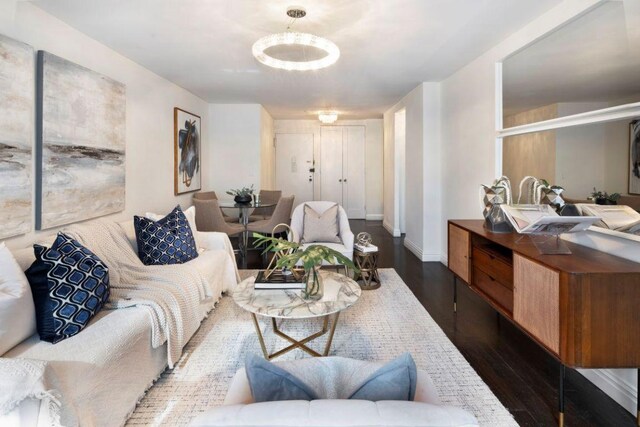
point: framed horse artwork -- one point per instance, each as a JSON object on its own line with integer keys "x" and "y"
{"x": 187, "y": 152}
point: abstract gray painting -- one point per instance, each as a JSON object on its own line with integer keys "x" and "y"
{"x": 16, "y": 135}
{"x": 81, "y": 143}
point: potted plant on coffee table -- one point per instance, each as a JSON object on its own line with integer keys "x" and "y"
{"x": 310, "y": 259}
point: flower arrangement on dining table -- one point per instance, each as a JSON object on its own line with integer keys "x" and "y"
{"x": 290, "y": 254}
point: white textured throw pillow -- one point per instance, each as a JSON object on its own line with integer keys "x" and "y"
{"x": 17, "y": 312}
{"x": 320, "y": 227}
{"x": 191, "y": 218}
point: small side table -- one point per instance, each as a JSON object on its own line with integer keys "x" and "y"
{"x": 367, "y": 263}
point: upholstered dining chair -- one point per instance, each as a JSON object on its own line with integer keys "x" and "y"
{"x": 281, "y": 215}
{"x": 266, "y": 196}
{"x": 211, "y": 195}
{"x": 209, "y": 218}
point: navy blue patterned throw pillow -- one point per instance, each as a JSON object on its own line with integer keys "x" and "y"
{"x": 166, "y": 241}
{"x": 70, "y": 284}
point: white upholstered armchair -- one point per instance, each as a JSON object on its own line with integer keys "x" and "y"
{"x": 346, "y": 236}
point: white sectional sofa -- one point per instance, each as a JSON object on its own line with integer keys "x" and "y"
{"x": 101, "y": 373}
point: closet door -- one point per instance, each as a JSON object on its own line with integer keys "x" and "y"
{"x": 353, "y": 185}
{"x": 331, "y": 164}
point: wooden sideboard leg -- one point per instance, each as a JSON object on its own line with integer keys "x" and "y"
{"x": 561, "y": 398}
{"x": 455, "y": 294}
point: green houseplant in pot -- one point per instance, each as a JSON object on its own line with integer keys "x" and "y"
{"x": 242, "y": 195}
{"x": 310, "y": 259}
{"x": 604, "y": 198}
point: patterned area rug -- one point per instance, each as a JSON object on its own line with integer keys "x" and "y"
{"x": 381, "y": 325}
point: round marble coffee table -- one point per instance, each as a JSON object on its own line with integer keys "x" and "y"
{"x": 340, "y": 292}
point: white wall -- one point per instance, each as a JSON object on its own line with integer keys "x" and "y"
{"x": 400, "y": 178}
{"x": 469, "y": 110}
{"x": 413, "y": 106}
{"x": 150, "y": 103}
{"x": 421, "y": 171}
{"x": 267, "y": 151}
{"x": 235, "y": 136}
{"x": 432, "y": 173}
{"x": 373, "y": 155}
{"x": 373, "y": 164}
{"x": 390, "y": 185}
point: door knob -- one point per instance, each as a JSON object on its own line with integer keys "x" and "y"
{"x": 339, "y": 180}
{"x": 345, "y": 180}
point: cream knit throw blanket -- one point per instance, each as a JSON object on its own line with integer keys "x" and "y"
{"x": 22, "y": 379}
{"x": 170, "y": 293}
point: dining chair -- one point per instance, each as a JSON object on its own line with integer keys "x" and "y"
{"x": 209, "y": 218}
{"x": 266, "y": 196}
{"x": 211, "y": 195}
{"x": 281, "y": 215}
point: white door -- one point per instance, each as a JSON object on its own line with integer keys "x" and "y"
{"x": 353, "y": 181}
{"x": 294, "y": 166}
{"x": 342, "y": 168}
{"x": 331, "y": 164}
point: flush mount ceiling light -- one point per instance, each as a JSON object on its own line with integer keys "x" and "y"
{"x": 291, "y": 38}
{"x": 328, "y": 118}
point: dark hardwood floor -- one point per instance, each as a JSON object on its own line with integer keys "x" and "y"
{"x": 522, "y": 375}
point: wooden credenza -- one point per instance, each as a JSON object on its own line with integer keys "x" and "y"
{"x": 583, "y": 308}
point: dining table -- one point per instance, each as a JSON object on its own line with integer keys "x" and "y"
{"x": 244, "y": 211}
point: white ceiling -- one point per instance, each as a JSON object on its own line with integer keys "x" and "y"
{"x": 388, "y": 47}
{"x": 595, "y": 58}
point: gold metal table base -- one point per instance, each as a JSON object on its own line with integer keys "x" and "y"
{"x": 301, "y": 344}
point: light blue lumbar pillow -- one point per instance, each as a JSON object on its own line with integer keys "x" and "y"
{"x": 270, "y": 383}
{"x": 394, "y": 381}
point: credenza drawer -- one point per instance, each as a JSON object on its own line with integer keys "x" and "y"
{"x": 495, "y": 290}
{"x": 494, "y": 266}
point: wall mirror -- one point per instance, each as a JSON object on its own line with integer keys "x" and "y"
{"x": 588, "y": 65}
{"x": 593, "y": 62}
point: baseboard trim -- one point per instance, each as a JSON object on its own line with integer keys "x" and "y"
{"x": 395, "y": 232}
{"x": 444, "y": 259}
{"x": 613, "y": 385}
{"x": 374, "y": 217}
{"x": 413, "y": 248}
{"x": 417, "y": 251}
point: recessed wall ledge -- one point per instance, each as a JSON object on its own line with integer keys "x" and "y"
{"x": 610, "y": 114}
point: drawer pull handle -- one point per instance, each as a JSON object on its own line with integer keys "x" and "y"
{"x": 492, "y": 279}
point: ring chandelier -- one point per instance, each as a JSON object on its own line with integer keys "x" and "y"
{"x": 299, "y": 39}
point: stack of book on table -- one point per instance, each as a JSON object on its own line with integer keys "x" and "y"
{"x": 365, "y": 248}
{"x": 278, "y": 280}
